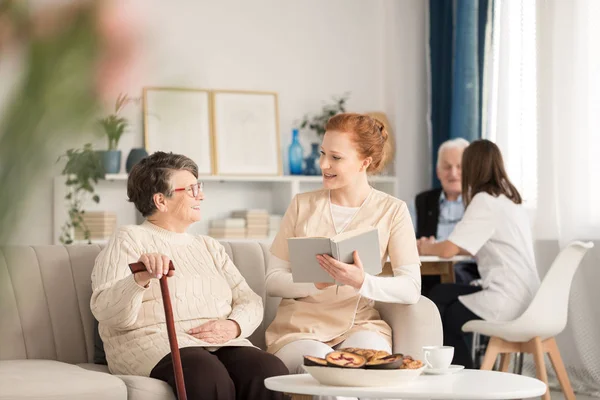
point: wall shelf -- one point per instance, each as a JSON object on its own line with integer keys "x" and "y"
{"x": 260, "y": 178}
{"x": 223, "y": 195}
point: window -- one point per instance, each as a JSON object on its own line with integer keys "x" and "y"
{"x": 510, "y": 93}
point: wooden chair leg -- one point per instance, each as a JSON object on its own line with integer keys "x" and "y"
{"x": 493, "y": 349}
{"x": 559, "y": 367}
{"x": 504, "y": 361}
{"x": 301, "y": 397}
{"x": 540, "y": 366}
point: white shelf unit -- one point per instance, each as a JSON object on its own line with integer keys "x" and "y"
{"x": 223, "y": 194}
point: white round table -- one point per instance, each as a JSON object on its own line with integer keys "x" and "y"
{"x": 464, "y": 385}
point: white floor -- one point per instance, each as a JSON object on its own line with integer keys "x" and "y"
{"x": 559, "y": 396}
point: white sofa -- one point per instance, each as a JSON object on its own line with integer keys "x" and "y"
{"x": 47, "y": 328}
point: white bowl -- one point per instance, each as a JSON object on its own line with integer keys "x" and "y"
{"x": 332, "y": 376}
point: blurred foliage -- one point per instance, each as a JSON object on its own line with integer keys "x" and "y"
{"x": 83, "y": 170}
{"x": 53, "y": 99}
{"x": 317, "y": 122}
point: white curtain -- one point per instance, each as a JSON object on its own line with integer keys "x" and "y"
{"x": 544, "y": 108}
{"x": 569, "y": 166}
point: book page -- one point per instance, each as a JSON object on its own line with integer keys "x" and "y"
{"x": 365, "y": 242}
{"x": 352, "y": 233}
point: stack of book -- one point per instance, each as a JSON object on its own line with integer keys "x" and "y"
{"x": 257, "y": 222}
{"x": 228, "y": 228}
{"x": 101, "y": 225}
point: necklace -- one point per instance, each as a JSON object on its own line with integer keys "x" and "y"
{"x": 353, "y": 215}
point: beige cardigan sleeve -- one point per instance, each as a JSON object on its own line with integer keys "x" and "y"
{"x": 247, "y": 307}
{"x": 116, "y": 297}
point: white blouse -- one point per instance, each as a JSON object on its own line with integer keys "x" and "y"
{"x": 496, "y": 231}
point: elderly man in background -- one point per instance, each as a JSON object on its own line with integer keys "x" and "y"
{"x": 436, "y": 212}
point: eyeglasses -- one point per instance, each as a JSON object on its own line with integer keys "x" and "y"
{"x": 192, "y": 190}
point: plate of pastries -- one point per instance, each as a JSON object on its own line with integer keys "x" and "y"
{"x": 363, "y": 367}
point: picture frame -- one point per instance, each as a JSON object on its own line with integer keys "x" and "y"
{"x": 246, "y": 133}
{"x": 179, "y": 120}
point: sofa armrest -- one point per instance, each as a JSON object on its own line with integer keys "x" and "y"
{"x": 413, "y": 325}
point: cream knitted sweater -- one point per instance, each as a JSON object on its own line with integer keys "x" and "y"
{"x": 206, "y": 285}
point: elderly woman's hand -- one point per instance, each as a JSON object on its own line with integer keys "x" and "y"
{"x": 216, "y": 331}
{"x": 156, "y": 264}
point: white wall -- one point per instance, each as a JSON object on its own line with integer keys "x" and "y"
{"x": 305, "y": 50}
{"x": 406, "y": 96}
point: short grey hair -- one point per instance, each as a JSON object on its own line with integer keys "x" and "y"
{"x": 152, "y": 175}
{"x": 458, "y": 143}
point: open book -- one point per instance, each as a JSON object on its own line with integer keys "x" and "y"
{"x": 303, "y": 253}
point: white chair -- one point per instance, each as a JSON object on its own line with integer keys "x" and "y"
{"x": 534, "y": 331}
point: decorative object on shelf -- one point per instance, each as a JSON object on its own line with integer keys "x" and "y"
{"x": 295, "y": 154}
{"x": 228, "y": 228}
{"x": 113, "y": 127}
{"x": 179, "y": 120}
{"x": 390, "y": 145}
{"x": 317, "y": 122}
{"x": 135, "y": 155}
{"x": 100, "y": 225}
{"x": 83, "y": 170}
{"x": 246, "y": 133}
{"x": 257, "y": 222}
{"x": 312, "y": 161}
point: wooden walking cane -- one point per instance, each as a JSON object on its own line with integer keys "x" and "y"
{"x": 166, "y": 297}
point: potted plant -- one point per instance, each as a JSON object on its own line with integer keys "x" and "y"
{"x": 317, "y": 123}
{"x": 83, "y": 170}
{"x": 113, "y": 127}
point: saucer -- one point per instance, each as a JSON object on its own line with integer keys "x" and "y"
{"x": 443, "y": 371}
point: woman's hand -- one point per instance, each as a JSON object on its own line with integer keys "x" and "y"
{"x": 347, "y": 274}
{"x": 216, "y": 331}
{"x": 156, "y": 264}
{"x": 424, "y": 245}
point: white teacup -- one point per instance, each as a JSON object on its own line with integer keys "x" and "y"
{"x": 438, "y": 357}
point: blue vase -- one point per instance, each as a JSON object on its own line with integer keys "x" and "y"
{"x": 312, "y": 161}
{"x": 295, "y": 154}
{"x": 135, "y": 155}
{"x": 111, "y": 160}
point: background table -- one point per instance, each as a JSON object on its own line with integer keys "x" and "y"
{"x": 434, "y": 265}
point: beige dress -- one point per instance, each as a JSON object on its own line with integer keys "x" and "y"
{"x": 329, "y": 317}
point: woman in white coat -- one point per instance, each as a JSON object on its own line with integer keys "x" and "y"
{"x": 495, "y": 230}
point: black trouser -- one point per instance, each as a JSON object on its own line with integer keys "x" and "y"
{"x": 226, "y": 374}
{"x": 466, "y": 272}
{"x": 454, "y": 315}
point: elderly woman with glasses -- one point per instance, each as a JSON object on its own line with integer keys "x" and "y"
{"x": 214, "y": 308}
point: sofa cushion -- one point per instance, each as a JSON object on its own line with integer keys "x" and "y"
{"x": 144, "y": 388}
{"x": 95, "y": 367}
{"x": 49, "y": 379}
{"x": 138, "y": 387}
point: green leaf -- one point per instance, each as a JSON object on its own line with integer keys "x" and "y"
{"x": 318, "y": 122}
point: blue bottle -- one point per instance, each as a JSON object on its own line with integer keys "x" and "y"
{"x": 312, "y": 161}
{"x": 295, "y": 154}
